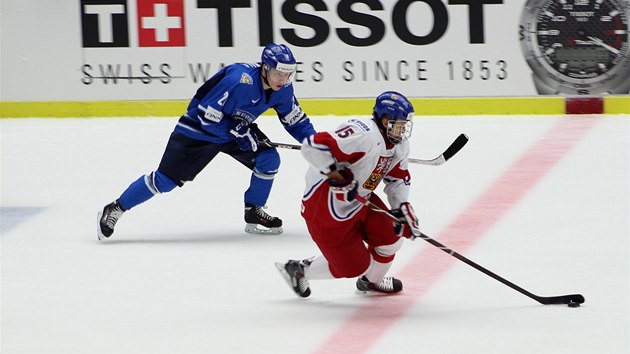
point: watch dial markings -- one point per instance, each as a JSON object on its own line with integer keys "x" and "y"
{"x": 582, "y": 38}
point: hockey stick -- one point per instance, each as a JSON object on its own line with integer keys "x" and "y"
{"x": 453, "y": 149}
{"x": 572, "y": 300}
{"x": 455, "y": 146}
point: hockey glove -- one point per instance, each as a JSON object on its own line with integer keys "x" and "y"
{"x": 345, "y": 189}
{"x": 408, "y": 226}
{"x": 263, "y": 140}
{"x": 245, "y": 137}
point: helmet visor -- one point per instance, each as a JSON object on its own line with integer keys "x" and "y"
{"x": 278, "y": 77}
{"x": 399, "y": 130}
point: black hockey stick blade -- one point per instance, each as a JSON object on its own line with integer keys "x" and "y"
{"x": 560, "y": 300}
{"x": 453, "y": 149}
{"x": 457, "y": 145}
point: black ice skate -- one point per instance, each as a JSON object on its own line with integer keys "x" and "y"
{"x": 259, "y": 222}
{"x": 107, "y": 219}
{"x": 293, "y": 273}
{"x": 389, "y": 285}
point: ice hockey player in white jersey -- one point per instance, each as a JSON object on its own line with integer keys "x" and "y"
{"x": 355, "y": 240}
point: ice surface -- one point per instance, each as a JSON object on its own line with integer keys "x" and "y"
{"x": 181, "y": 276}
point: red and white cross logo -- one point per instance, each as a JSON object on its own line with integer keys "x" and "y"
{"x": 161, "y": 23}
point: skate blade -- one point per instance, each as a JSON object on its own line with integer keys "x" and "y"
{"x": 284, "y": 274}
{"x": 371, "y": 293}
{"x": 287, "y": 279}
{"x": 99, "y": 233}
{"x": 261, "y": 230}
{"x": 375, "y": 293}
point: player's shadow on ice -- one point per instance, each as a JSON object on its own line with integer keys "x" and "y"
{"x": 205, "y": 237}
{"x": 202, "y": 237}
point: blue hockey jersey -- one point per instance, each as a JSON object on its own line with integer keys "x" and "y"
{"x": 236, "y": 91}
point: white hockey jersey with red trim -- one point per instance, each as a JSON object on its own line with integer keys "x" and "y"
{"x": 358, "y": 144}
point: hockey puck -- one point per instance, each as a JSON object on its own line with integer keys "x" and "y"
{"x": 573, "y": 304}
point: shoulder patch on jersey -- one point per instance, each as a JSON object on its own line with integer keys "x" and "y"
{"x": 211, "y": 114}
{"x": 360, "y": 124}
{"x": 294, "y": 117}
{"x": 246, "y": 79}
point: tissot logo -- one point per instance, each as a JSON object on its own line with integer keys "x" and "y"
{"x": 160, "y": 23}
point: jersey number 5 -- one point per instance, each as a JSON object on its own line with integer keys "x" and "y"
{"x": 344, "y": 132}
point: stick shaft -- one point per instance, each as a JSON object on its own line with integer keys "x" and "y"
{"x": 455, "y": 146}
{"x": 564, "y": 299}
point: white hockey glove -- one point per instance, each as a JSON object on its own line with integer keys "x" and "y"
{"x": 245, "y": 137}
{"x": 345, "y": 189}
{"x": 408, "y": 226}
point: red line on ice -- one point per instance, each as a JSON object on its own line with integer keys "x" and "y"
{"x": 371, "y": 321}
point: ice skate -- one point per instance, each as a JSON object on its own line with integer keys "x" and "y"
{"x": 389, "y": 285}
{"x": 107, "y": 219}
{"x": 259, "y": 222}
{"x": 293, "y": 273}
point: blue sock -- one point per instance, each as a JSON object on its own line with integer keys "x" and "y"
{"x": 259, "y": 189}
{"x": 138, "y": 192}
{"x": 144, "y": 188}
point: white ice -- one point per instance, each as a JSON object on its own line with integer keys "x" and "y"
{"x": 180, "y": 275}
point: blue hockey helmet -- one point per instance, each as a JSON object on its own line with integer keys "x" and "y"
{"x": 399, "y": 111}
{"x": 279, "y": 57}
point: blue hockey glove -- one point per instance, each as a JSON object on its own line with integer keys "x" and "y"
{"x": 346, "y": 188}
{"x": 408, "y": 226}
{"x": 245, "y": 137}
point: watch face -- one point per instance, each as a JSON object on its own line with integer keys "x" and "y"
{"x": 581, "y": 45}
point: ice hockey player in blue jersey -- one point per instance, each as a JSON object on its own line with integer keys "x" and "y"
{"x": 220, "y": 118}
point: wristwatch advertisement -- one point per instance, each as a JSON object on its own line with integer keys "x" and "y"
{"x": 577, "y": 47}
